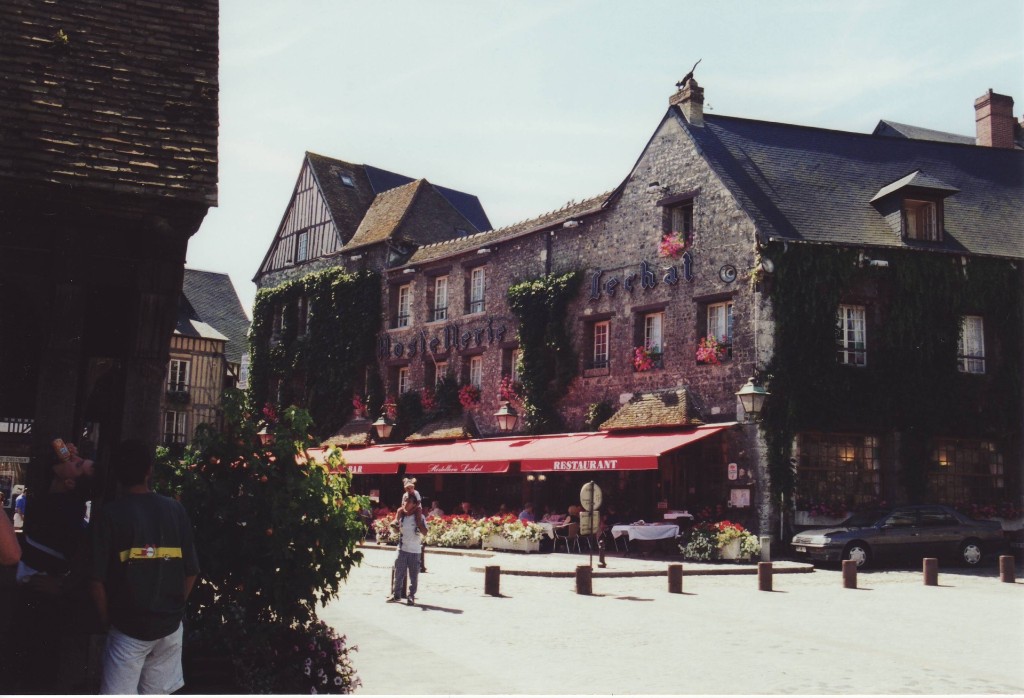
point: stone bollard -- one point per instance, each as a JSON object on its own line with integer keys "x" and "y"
{"x": 492, "y": 580}
{"x": 764, "y": 576}
{"x": 931, "y": 571}
{"x": 766, "y": 548}
{"x": 849, "y": 574}
{"x": 1007, "y": 573}
{"x": 675, "y": 579}
{"x": 584, "y": 580}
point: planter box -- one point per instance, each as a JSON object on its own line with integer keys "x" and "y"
{"x": 730, "y": 551}
{"x": 501, "y": 543}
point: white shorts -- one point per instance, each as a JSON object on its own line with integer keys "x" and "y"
{"x": 142, "y": 666}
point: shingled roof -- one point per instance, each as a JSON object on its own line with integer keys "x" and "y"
{"x": 385, "y": 214}
{"x": 214, "y": 302}
{"x": 115, "y": 96}
{"x": 671, "y": 408}
{"x": 898, "y": 130}
{"x": 355, "y": 433}
{"x": 460, "y": 426}
{"x": 815, "y": 185}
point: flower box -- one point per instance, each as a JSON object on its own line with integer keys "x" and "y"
{"x": 522, "y": 545}
{"x": 730, "y": 551}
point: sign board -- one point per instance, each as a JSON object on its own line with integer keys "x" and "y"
{"x": 739, "y": 497}
{"x": 590, "y": 496}
{"x": 589, "y": 522}
{"x": 733, "y": 471}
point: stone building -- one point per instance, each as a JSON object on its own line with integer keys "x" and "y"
{"x": 802, "y": 258}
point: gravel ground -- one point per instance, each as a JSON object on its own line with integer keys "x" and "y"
{"x": 892, "y": 635}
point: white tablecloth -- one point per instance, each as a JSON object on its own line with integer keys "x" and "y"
{"x": 549, "y": 528}
{"x": 646, "y": 532}
{"x": 673, "y": 515}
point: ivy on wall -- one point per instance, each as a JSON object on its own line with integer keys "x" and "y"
{"x": 320, "y": 368}
{"x": 549, "y": 363}
{"x": 911, "y": 383}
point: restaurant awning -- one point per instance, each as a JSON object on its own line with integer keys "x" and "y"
{"x": 555, "y": 453}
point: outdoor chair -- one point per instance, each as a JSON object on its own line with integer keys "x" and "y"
{"x": 569, "y": 536}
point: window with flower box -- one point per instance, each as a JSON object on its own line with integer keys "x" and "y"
{"x": 439, "y": 305}
{"x": 648, "y": 339}
{"x": 837, "y": 472}
{"x": 971, "y": 345}
{"x": 477, "y": 288}
{"x": 719, "y": 325}
{"x": 966, "y": 471}
{"x": 852, "y": 338}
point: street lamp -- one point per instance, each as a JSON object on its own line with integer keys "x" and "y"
{"x": 507, "y": 417}
{"x": 383, "y": 427}
{"x": 752, "y": 398}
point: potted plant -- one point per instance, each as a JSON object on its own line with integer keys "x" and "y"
{"x": 721, "y": 540}
{"x": 710, "y": 351}
{"x": 674, "y": 244}
{"x": 646, "y": 358}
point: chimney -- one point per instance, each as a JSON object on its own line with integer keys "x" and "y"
{"x": 993, "y": 116}
{"x": 690, "y": 99}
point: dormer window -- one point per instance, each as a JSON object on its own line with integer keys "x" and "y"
{"x": 346, "y": 179}
{"x": 921, "y": 220}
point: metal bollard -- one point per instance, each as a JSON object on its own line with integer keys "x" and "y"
{"x": 766, "y": 548}
{"x": 931, "y": 571}
{"x": 492, "y": 580}
{"x": 675, "y": 579}
{"x": 849, "y": 574}
{"x": 584, "y": 580}
{"x": 1007, "y": 573}
{"x": 764, "y": 576}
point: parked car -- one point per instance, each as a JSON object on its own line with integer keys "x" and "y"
{"x": 903, "y": 533}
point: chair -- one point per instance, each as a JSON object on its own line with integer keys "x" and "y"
{"x": 624, "y": 539}
{"x": 568, "y": 535}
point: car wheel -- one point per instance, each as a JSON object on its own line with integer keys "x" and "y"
{"x": 970, "y": 553}
{"x": 859, "y": 553}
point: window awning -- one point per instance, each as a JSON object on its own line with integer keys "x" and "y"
{"x": 553, "y": 453}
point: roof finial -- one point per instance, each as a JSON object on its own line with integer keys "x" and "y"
{"x": 689, "y": 75}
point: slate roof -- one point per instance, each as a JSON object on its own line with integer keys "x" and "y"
{"x": 460, "y": 426}
{"x": 815, "y": 185}
{"x": 447, "y": 248}
{"x": 114, "y": 96}
{"x": 385, "y": 214}
{"x": 355, "y": 433}
{"x": 670, "y": 408}
{"x": 897, "y": 130}
{"x": 214, "y": 302}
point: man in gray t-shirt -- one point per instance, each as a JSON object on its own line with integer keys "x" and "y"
{"x": 412, "y": 528}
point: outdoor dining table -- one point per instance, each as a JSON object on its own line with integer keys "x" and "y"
{"x": 646, "y": 531}
{"x": 549, "y": 528}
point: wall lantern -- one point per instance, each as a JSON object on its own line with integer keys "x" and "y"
{"x": 752, "y": 398}
{"x": 507, "y": 417}
{"x": 383, "y": 427}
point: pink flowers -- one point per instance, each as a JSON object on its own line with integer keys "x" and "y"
{"x": 428, "y": 400}
{"x": 674, "y": 244}
{"x": 508, "y": 390}
{"x": 709, "y": 351}
{"x": 359, "y": 405}
{"x": 469, "y": 396}
{"x": 645, "y": 358}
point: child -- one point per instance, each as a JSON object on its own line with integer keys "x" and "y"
{"x": 411, "y": 494}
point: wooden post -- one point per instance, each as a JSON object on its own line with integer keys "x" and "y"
{"x": 584, "y": 580}
{"x": 931, "y": 571}
{"x": 1007, "y": 573}
{"x": 492, "y": 580}
{"x": 849, "y": 574}
{"x": 764, "y": 576}
{"x": 675, "y": 579}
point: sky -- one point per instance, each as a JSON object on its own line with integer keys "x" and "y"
{"x": 534, "y": 103}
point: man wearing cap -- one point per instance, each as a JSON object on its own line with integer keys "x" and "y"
{"x": 411, "y": 528}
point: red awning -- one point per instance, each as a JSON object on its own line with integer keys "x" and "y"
{"x": 556, "y": 452}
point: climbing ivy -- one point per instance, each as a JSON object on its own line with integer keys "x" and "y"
{"x": 911, "y": 383}
{"x": 318, "y": 369}
{"x": 549, "y": 363}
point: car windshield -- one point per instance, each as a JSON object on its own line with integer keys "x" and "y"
{"x": 863, "y": 518}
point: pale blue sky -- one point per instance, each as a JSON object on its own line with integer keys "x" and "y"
{"x": 530, "y": 104}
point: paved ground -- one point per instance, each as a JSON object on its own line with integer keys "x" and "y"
{"x": 892, "y": 635}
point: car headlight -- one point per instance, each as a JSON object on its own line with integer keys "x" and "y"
{"x": 820, "y": 540}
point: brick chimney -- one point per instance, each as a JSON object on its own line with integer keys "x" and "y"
{"x": 993, "y": 116}
{"x": 690, "y": 99}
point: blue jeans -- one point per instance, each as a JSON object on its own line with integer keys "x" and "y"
{"x": 407, "y": 563}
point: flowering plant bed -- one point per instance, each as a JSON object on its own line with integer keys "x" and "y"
{"x": 709, "y": 351}
{"x": 466, "y": 532}
{"x": 469, "y": 396}
{"x": 708, "y": 541}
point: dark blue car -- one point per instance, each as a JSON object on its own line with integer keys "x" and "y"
{"x": 901, "y": 534}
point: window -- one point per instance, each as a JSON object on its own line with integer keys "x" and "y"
{"x": 403, "y": 380}
{"x": 440, "y": 298}
{"x": 302, "y": 246}
{"x": 966, "y": 470}
{"x": 971, "y": 347}
{"x": 516, "y": 367}
{"x": 403, "y": 316}
{"x": 852, "y": 336}
{"x": 346, "y": 179}
{"x": 278, "y": 322}
{"x": 921, "y": 220}
{"x": 652, "y": 332}
{"x": 174, "y": 427}
{"x": 178, "y": 375}
{"x": 302, "y": 315}
{"x": 720, "y": 325}
{"x": 476, "y": 290}
{"x": 476, "y": 371}
{"x": 434, "y": 372}
{"x": 680, "y": 219}
{"x": 837, "y": 472}
{"x": 601, "y": 335}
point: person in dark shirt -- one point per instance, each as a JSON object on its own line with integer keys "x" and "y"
{"x": 144, "y": 567}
